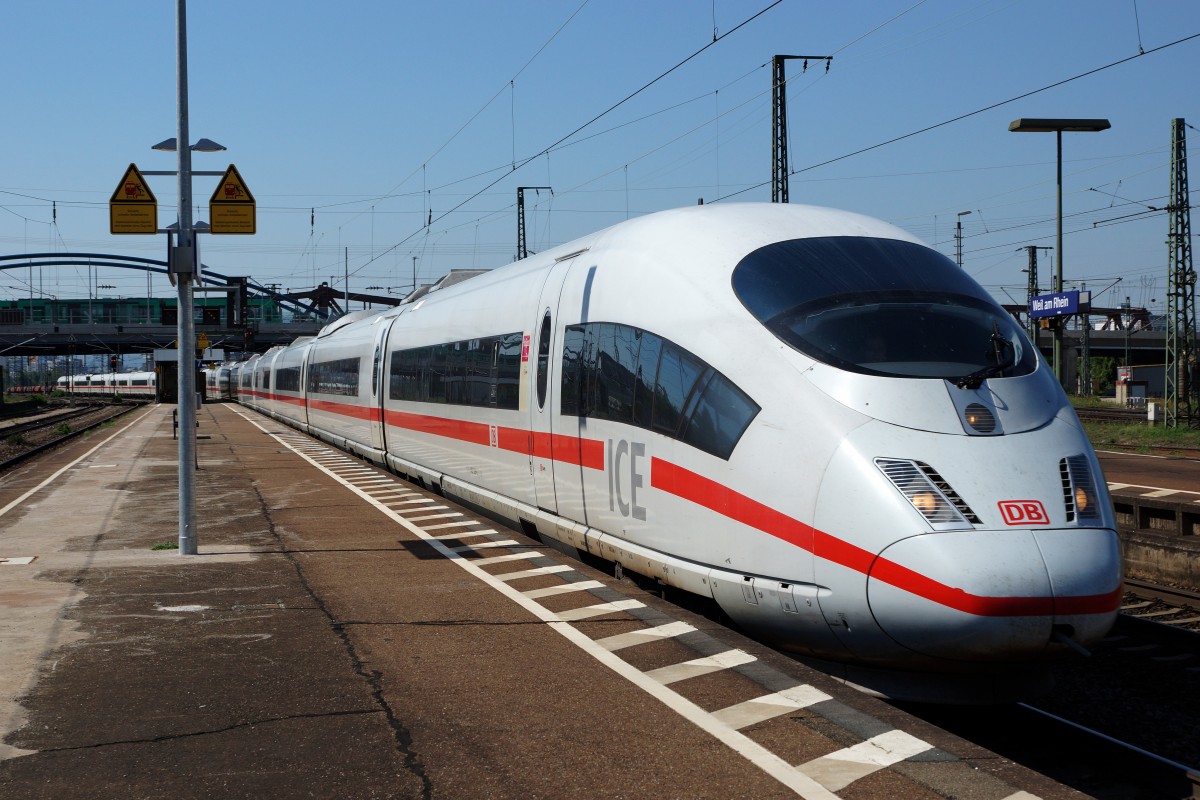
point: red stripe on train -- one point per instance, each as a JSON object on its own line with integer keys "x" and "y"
{"x": 694, "y": 488}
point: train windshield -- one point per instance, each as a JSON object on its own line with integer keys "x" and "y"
{"x": 881, "y": 307}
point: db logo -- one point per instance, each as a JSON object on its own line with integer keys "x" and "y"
{"x": 1024, "y": 512}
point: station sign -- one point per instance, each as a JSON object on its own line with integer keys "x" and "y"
{"x": 133, "y": 208}
{"x": 231, "y": 209}
{"x": 1054, "y": 305}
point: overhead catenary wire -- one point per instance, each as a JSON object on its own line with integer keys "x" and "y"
{"x": 970, "y": 114}
{"x": 591, "y": 122}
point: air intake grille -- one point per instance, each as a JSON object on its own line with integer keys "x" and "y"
{"x": 949, "y": 492}
{"x": 1068, "y": 494}
{"x": 928, "y": 493}
{"x": 1080, "y": 498}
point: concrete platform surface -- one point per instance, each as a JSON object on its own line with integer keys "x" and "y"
{"x": 343, "y": 634}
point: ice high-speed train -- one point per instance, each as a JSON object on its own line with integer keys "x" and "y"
{"x": 806, "y": 415}
{"x": 128, "y": 384}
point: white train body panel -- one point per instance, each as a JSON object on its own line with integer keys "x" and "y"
{"x": 729, "y": 399}
{"x": 287, "y": 384}
{"x": 342, "y": 375}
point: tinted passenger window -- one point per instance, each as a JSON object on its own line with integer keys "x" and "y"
{"x": 574, "y": 340}
{"x": 618, "y": 360}
{"x": 644, "y": 378}
{"x": 625, "y": 374}
{"x": 720, "y": 417}
{"x": 508, "y": 371}
{"x": 473, "y": 372}
{"x": 677, "y": 374}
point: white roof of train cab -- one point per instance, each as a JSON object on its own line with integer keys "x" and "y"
{"x": 721, "y": 235}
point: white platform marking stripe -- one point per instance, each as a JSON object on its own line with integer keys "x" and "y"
{"x": 479, "y": 562}
{"x": 483, "y": 545}
{"x": 446, "y": 515}
{"x": 842, "y": 768}
{"x": 1162, "y": 493}
{"x": 587, "y": 612}
{"x": 566, "y": 588}
{"x": 1150, "y": 490}
{"x": 461, "y": 534}
{"x": 700, "y": 666}
{"x": 529, "y": 573}
{"x": 17, "y": 561}
{"x": 643, "y": 635}
{"x": 770, "y": 706}
{"x": 461, "y": 524}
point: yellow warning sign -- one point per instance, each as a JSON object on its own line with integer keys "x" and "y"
{"x": 133, "y": 208}
{"x": 202, "y": 342}
{"x": 231, "y": 209}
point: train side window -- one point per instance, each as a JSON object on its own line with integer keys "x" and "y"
{"x": 287, "y": 379}
{"x": 720, "y": 417}
{"x": 456, "y": 373}
{"x": 644, "y": 379}
{"x": 543, "y": 367}
{"x": 677, "y": 374}
{"x": 617, "y": 361}
{"x": 480, "y": 356}
{"x": 405, "y": 380}
{"x": 435, "y": 373}
{"x": 574, "y": 339}
{"x": 508, "y": 371}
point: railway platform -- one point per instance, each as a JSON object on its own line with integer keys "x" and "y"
{"x": 343, "y": 634}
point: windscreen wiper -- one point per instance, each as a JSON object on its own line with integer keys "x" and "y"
{"x": 1003, "y": 355}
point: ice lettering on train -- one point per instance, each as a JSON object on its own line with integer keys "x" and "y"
{"x": 620, "y": 452}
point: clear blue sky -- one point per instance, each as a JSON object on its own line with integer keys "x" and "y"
{"x": 351, "y": 121}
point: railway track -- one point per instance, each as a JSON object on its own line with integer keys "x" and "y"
{"x": 26, "y": 440}
{"x": 1142, "y": 687}
{"x": 48, "y": 418}
{"x": 1114, "y": 415}
{"x": 1122, "y": 723}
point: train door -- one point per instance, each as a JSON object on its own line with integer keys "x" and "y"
{"x": 543, "y": 398}
{"x": 379, "y": 386}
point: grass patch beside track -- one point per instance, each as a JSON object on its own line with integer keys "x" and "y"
{"x": 1136, "y": 435}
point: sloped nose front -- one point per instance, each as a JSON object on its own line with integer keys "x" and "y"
{"x": 991, "y": 595}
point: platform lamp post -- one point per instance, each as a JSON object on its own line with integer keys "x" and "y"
{"x": 183, "y": 258}
{"x": 1057, "y": 126}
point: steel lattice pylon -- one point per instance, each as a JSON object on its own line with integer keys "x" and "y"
{"x": 1181, "y": 379}
{"x": 779, "y": 134}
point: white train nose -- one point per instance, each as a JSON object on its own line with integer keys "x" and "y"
{"x": 969, "y": 595}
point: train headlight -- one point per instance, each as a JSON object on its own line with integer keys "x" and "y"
{"x": 926, "y": 502}
{"x": 928, "y": 493}
{"x": 1079, "y": 489}
{"x": 1082, "y": 501}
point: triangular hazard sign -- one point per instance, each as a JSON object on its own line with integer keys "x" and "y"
{"x": 231, "y": 189}
{"x": 133, "y": 188}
